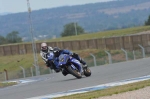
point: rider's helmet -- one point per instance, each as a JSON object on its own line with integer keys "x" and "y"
{"x": 56, "y": 51}
{"x": 44, "y": 47}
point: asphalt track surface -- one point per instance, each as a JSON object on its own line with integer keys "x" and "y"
{"x": 53, "y": 83}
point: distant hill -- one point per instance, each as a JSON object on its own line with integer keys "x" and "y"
{"x": 5, "y": 13}
{"x": 92, "y": 17}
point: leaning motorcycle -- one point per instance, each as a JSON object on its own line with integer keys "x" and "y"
{"x": 70, "y": 65}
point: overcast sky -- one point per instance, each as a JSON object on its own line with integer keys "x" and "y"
{"x": 15, "y": 6}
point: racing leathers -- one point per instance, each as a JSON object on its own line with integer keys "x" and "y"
{"x": 44, "y": 55}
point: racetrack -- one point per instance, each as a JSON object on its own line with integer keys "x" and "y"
{"x": 52, "y": 83}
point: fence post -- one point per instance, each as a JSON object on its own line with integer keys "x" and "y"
{"x": 6, "y": 74}
{"x": 24, "y": 75}
{"x": 143, "y": 50}
{"x": 94, "y": 59}
{"x": 134, "y": 55}
{"x": 126, "y": 54}
{"x": 32, "y": 71}
{"x": 38, "y": 72}
{"x": 51, "y": 71}
{"x": 3, "y": 50}
{"x": 109, "y": 57}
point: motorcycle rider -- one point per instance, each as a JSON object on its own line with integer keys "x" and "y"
{"x": 45, "y": 50}
{"x": 57, "y": 52}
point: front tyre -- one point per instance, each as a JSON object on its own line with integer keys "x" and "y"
{"x": 87, "y": 71}
{"x": 74, "y": 72}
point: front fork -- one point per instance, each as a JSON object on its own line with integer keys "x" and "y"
{"x": 80, "y": 68}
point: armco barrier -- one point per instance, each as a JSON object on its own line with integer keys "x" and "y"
{"x": 130, "y": 42}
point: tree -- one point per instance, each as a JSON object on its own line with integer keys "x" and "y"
{"x": 72, "y": 29}
{"x": 13, "y": 37}
{"x": 148, "y": 21}
{"x": 2, "y": 40}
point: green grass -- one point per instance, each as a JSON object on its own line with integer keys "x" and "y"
{"x": 6, "y": 84}
{"x": 109, "y": 91}
{"x": 12, "y": 63}
{"x": 26, "y": 60}
{"x": 119, "y": 32}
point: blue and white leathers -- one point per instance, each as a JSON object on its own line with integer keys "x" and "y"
{"x": 50, "y": 56}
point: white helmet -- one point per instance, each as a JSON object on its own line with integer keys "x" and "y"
{"x": 44, "y": 47}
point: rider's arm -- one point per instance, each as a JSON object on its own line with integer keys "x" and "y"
{"x": 67, "y": 52}
{"x": 43, "y": 55}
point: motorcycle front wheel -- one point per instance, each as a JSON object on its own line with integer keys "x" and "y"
{"x": 87, "y": 71}
{"x": 74, "y": 72}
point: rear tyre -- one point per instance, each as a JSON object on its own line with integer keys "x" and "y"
{"x": 87, "y": 71}
{"x": 74, "y": 72}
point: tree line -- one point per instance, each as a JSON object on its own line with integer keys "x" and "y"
{"x": 148, "y": 21}
{"x": 70, "y": 29}
{"x": 10, "y": 38}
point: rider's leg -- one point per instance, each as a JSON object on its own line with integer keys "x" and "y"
{"x": 80, "y": 59}
{"x": 49, "y": 64}
{"x": 55, "y": 64}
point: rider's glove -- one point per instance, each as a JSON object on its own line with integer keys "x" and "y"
{"x": 71, "y": 54}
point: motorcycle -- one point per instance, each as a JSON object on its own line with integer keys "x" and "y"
{"x": 70, "y": 65}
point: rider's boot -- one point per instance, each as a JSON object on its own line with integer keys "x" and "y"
{"x": 83, "y": 63}
{"x": 57, "y": 69}
{"x": 64, "y": 72}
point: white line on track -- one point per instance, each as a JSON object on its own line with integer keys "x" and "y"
{"x": 92, "y": 88}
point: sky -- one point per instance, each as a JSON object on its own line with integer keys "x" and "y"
{"x": 15, "y": 6}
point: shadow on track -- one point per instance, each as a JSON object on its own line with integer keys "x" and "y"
{"x": 73, "y": 79}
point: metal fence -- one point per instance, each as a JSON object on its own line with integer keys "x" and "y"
{"x": 94, "y": 59}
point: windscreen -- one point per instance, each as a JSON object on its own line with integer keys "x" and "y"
{"x": 63, "y": 58}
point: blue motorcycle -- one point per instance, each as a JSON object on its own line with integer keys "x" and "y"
{"x": 70, "y": 65}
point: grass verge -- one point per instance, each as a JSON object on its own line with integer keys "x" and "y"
{"x": 6, "y": 84}
{"x": 109, "y": 91}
